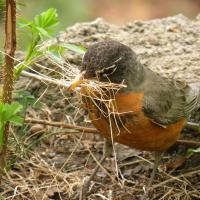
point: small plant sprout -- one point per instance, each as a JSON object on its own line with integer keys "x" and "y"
{"x": 41, "y": 27}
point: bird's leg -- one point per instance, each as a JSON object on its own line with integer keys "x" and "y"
{"x": 106, "y": 152}
{"x": 157, "y": 156}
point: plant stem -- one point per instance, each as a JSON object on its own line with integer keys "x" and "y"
{"x": 8, "y": 69}
{"x": 32, "y": 47}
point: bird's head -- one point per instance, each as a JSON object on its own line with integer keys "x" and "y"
{"x": 107, "y": 61}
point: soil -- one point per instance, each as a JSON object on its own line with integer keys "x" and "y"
{"x": 52, "y": 163}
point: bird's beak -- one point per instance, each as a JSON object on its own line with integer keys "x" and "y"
{"x": 78, "y": 80}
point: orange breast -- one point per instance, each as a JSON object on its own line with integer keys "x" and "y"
{"x": 130, "y": 127}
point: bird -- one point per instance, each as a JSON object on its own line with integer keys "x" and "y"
{"x": 146, "y": 113}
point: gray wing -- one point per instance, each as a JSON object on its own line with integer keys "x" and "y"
{"x": 169, "y": 103}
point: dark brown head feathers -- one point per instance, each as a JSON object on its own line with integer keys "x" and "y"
{"x": 109, "y": 61}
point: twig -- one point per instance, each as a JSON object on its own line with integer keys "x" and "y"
{"x": 66, "y": 84}
{"x": 61, "y": 83}
{"x": 61, "y": 125}
{"x": 93, "y": 130}
{"x": 188, "y": 142}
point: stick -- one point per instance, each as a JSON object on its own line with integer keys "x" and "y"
{"x": 188, "y": 142}
{"x": 61, "y": 83}
{"x": 61, "y": 125}
{"x": 93, "y": 130}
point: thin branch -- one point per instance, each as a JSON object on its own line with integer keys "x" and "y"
{"x": 61, "y": 125}
{"x": 191, "y": 143}
{"x": 93, "y": 130}
{"x": 66, "y": 84}
{"x": 61, "y": 83}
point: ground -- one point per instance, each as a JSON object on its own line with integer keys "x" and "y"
{"x": 52, "y": 162}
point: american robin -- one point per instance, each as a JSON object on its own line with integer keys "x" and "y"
{"x": 148, "y": 114}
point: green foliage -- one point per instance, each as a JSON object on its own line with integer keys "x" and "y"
{"x": 56, "y": 51}
{"x": 69, "y": 11}
{"x": 25, "y": 99}
{"x": 8, "y": 113}
{"x": 41, "y": 27}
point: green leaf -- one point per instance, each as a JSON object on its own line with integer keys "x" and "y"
{"x": 56, "y": 57}
{"x": 56, "y": 48}
{"x": 26, "y": 99}
{"x": 46, "y": 19}
{"x": 17, "y": 120}
{"x": 42, "y": 32}
{"x": 15, "y": 107}
{"x": 34, "y": 54}
{"x": 1, "y": 107}
{"x": 7, "y": 111}
{"x": 42, "y": 26}
{"x": 2, "y": 112}
{"x": 75, "y": 48}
